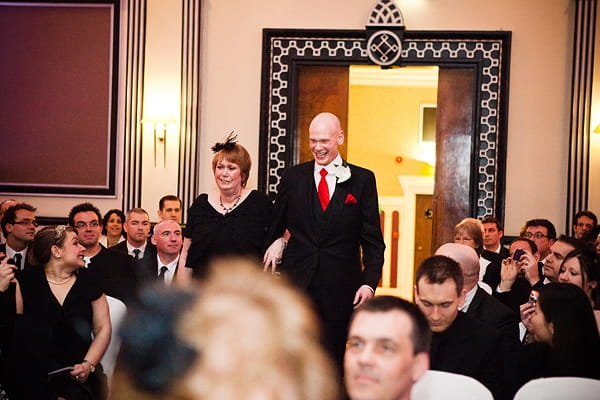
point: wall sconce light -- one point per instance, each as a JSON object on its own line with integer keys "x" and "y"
{"x": 597, "y": 130}
{"x": 159, "y": 129}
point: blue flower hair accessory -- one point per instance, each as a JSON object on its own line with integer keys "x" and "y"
{"x": 151, "y": 352}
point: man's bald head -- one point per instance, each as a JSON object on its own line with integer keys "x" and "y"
{"x": 466, "y": 257}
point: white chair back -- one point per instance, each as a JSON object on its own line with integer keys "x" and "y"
{"x": 117, "y": 310}
{"x": 560, "y": 388}
{"x": 439, "y": 385}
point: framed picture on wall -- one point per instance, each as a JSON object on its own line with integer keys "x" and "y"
{"x": 427, "y": 123}
{"x": 58, "y": 97}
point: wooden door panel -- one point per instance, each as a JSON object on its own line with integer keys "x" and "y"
{"x": 320, "y": 88}
{"x": 453, "y": 151}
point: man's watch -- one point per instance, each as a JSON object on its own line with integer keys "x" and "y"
{"x": 92, "y": 366}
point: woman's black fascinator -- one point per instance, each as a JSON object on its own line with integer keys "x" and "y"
{"x": 229, "y": 144}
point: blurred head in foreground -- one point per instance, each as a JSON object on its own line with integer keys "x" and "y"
{"x": 240, "y": 335}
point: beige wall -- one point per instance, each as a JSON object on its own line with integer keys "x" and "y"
{"x": 539, "y": 79}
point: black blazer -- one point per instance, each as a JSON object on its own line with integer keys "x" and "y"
{"x": 121, "y": 247}
{"x": 469, "y": 347}
{"x": 27, "y": 264}
{"x": 149, "y": 269}
{"x": 326, "y": 246}
{"x": 116, "y": 274}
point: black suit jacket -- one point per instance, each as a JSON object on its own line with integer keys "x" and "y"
{"x": 149, "y": 269}
{"x": 116, "y": 274}
{"x": 469, "y": 347}
{"x": 325, "y": 246}
{"x": 487, "y": 309}
{"x": 27, "y": 264}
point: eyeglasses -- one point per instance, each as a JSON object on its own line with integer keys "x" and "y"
{"x": 81, "y": 224}
{"x": 26, "y": 222}
{"x": 537, "y": 235}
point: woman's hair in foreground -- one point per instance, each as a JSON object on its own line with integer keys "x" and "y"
{"x": 251, "y": 337}
{"x": 575, "y": 339}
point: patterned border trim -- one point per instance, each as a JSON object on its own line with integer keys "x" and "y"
{"x": 487, "y": 51}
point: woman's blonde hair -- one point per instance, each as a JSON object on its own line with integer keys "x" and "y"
{"x": 256, "y": 338}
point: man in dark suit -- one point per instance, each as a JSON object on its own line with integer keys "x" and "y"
{"x": 137, "y": 245}
{"x": 487, "y": 309}
{"x": 19, "y": 228}
{"x": 168, "y": 241}
{"x": 460, "y": 343}
{"x": 492, "y": 240}
{"x": 330, "y": 209}
{"x": 113, "y": 270}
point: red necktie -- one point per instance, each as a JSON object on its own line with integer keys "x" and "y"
{"x": 323, "y": 190}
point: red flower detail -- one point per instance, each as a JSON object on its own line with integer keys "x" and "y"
{"x": 350, "y": 199}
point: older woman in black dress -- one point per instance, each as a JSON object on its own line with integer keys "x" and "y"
{"x": 231, "y": 220}
{"x": 58, "y": 309}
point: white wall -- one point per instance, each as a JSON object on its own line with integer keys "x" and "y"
{"x": 539, "y": 79}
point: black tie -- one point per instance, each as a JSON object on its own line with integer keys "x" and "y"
{"x": 161, "y": 276}
{"x": 136, "y": 253}
{"x": 17, "y": 258}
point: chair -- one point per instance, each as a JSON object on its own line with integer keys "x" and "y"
{"x": 439, "y": 385}
{"x": 117, "y": 310}
{"x": 556, "y": 388}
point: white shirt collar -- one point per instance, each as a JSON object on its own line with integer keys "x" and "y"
{"x": 468, "y": 299}
{"x": 170, "y": 269}
{"x": 329, "y": 167}
{"x": 130, "y": 249}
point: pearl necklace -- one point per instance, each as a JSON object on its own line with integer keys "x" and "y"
{"x": 59, "y": 283}
{"x": 229, "y": 209}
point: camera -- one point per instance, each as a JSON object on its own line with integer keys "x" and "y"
{"x": 533, "y": 297}
{"x": 518, "y": 254}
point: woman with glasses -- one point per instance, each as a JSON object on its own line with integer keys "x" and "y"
{"x": 59, "y": 309}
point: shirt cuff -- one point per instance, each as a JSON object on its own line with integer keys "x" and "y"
{"x": 369, "y": 287}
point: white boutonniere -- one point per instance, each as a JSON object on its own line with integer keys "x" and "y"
{"x": 342, "y": 172}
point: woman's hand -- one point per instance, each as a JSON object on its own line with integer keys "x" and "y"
{"x": 526, "y": 311}
{"x": 273, "y": 255}
{"x": 81, "y": 371}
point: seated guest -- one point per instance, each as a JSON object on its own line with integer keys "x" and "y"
{"x": 169, "y": 207}
{"x": 168, "y": 240}
{"x": 581, "y": 268}
{"x": 519, "y": 274}
{"x": 558, "y": 251}
{"x": 112, "y": 228}
{"x": 583, "y": 222}
{"x": 241, "y": 335}
{"x": 492, "y": 240}
{"x": 19, "y": 226}
{"x": 469, "y": 231}
{"x": 484, "y": 307}
{"x": 137, "y": 227}
{"x": 460, "y": 344}
{"x": 4, "y": 205}
{"x": 61, "y": 305}
{"x": 542, "y": 232}
{"x": 387, "y": 349}
{"x": 563, "y": 332}
{"x": 114, "y": 270}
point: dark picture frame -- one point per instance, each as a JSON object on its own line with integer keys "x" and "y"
{"x": 59, "y": 97}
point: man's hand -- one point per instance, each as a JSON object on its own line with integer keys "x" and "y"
{"x": 508, "y": 274}
{"x": 363, "y": 294}
{"x": 7, "y": 274}
{"x": 273, "y": 255}
{"x": 529, "y": 266}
